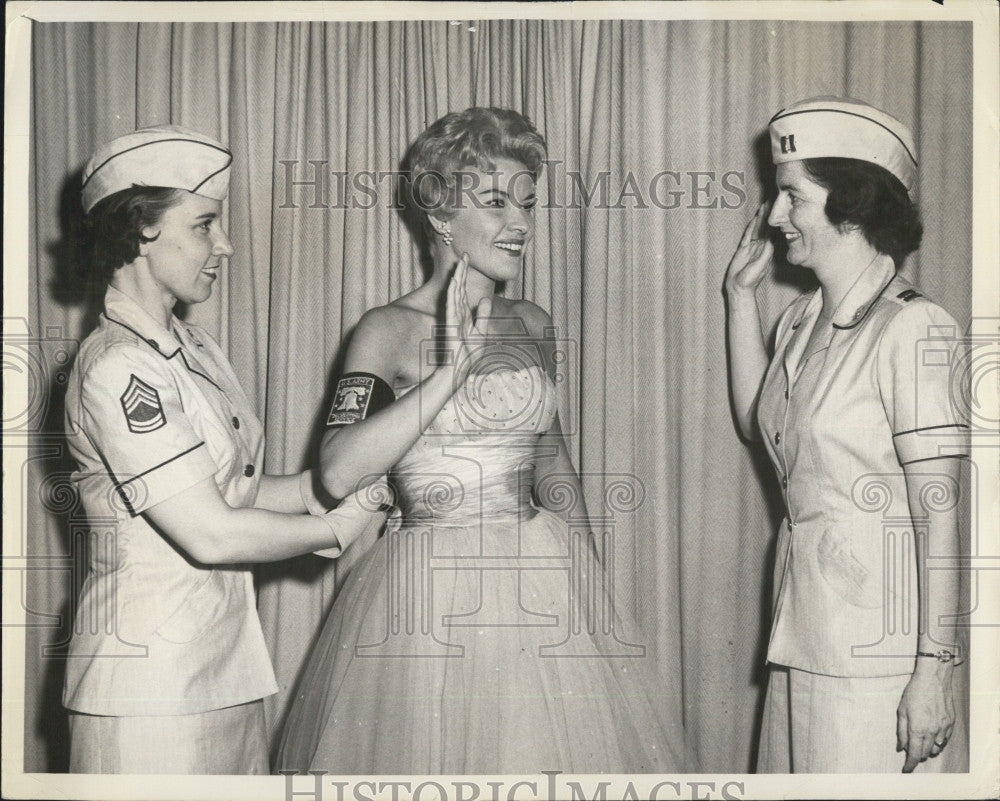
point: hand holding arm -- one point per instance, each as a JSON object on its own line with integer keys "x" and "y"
{"x": 376, "y": 500}
{"x": 360, "y": 506}
{"x": 200, "y": 522}
{"x": 281, "y": 494}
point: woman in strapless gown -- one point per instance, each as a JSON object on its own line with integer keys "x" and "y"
{"x": 479, "y": 636}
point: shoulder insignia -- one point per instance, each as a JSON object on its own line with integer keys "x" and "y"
{"x": 142, "y": 407}
{"x": 908, "y": 294}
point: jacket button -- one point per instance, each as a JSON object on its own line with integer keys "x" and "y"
{"x": 777, "y": 437}
{"x": 236, "y": 422}
{"x": 248, "y": 470}
{"x": 786, "y": 393}
{"x": 784, "y": 481}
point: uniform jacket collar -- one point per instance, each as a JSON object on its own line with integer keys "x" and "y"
{"x": 121, "y": 309}
{"x": 859, "y": 299}
{"x": 855, "y": 306}
{"x": 866, "y": 290}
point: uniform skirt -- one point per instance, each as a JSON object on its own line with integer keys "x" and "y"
{"x": 832, "y": 724}
{"x": 230, "y": 741}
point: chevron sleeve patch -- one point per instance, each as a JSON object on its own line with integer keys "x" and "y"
{"x": 142, "y": 407}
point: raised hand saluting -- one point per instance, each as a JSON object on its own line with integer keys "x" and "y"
{"x": 754, "y": 256}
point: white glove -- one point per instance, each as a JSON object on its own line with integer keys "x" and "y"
{"x": 354, "y": 516}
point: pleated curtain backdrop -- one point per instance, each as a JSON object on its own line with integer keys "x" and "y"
{"x": 633, "y": 280}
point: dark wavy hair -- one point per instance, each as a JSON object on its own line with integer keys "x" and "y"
{"x": 114, "y": 226}
{"x": 873, "y": 199}
{"x": 475, "y": 138}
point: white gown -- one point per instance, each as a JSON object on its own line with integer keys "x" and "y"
{"x": 477, "y": 638}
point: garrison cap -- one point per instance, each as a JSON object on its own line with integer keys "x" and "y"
{"x": 824, "y": 127}
{"x": 164, "y": 155}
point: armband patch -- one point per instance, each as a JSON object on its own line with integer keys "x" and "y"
{"x": 358, "y": 395}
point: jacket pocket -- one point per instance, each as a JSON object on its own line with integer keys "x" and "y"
{"x": 858, "y": 584}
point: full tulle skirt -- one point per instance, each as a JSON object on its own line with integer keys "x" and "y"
{"x": 482, "y": 649}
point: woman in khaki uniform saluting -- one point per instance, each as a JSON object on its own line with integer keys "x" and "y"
{"x": 861, "y": 665}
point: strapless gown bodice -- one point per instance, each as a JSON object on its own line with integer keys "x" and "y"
{"x": 475, "y": 461}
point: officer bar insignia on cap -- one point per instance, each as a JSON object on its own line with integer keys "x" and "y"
{"x": 839, "y": 127}
{"x": 165, "y": 155}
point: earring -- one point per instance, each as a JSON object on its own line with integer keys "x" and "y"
{"x": 446, "y": 236}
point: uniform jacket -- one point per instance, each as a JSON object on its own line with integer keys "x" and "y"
{"x": 839, "y": 423}
{"x": 149, "y": 413}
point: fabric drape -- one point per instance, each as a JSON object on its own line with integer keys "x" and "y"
{"x": 655, "y": 133}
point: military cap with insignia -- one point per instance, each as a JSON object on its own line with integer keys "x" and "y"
{"x": 838, "y": 127}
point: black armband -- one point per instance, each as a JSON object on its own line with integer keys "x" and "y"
{"x": 358, "y": 395}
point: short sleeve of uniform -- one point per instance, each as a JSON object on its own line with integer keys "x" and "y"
{"x": 917, "y": 359}
{"x": 134, "y": 414}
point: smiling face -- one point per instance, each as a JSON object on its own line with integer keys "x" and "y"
{"x": 799, "y": 211}
{"x": 495, "y": 219}
{"x": 185, "y": 257}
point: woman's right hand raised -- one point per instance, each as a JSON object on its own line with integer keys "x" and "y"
{"x": 469, "y": 332}
{"x": 753, "y": 257}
